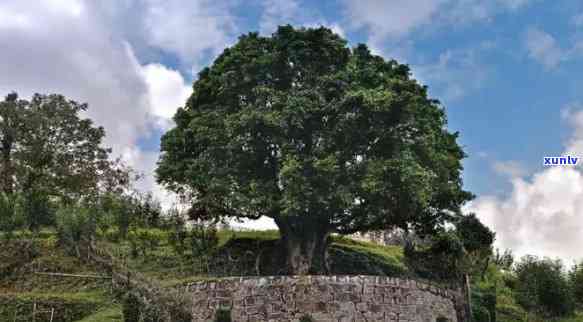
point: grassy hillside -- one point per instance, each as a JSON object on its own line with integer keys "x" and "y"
{"x": 72, "y": 298}
{"x": 244, "y": 253}
{"x": 91, "y": 300}
{"x": 240, "y": 253}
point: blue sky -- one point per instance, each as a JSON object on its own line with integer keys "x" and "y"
{"x": 489, "y": 78}
{"x": 507, "y": 72}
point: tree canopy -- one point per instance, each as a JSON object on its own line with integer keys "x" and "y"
{"x": 48, "y": 150}
{"x": 318, "y": 136}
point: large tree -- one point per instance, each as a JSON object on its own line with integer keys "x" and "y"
{"x": 320, "y": 137}
{"x": 48, "y": 151}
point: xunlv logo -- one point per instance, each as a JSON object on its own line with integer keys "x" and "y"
{"x": 568, "y": 160}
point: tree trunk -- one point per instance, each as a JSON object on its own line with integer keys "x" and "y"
{"x": 305, "y": 241}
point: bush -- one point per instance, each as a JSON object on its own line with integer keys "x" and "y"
{"x": 543, "y": 288}
{"x": 73, "y": 223}
{"x": 223, "y": 315}
{"x": 131, "y": 308}
{"x": 143, "y": 241}
{"x": 306, "y": 318}
{"x": 203, "y": 239}
{"x": 148, "y": 211}
{"x": 37, "y": 210}
{"x": 440, "y": 261}
{"x": 11, "y": 214}
{"x": 117, "y": 211}
{"x": 576, "y": 280}
{"x": 177, "y": 236}
{"x": 484, "y": 304}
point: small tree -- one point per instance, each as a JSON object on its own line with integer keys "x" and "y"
{"x": 74, "y": 222}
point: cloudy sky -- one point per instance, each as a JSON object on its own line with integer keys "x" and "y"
{"x": 506, "y": 70}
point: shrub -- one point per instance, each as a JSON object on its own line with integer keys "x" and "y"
{"x": 37, "y": 209}
{"x": 148, "y": 211}
{"x": 576, "y": 280}
{"x": 204, "y": 239}
{"x": 73, "y": 223}
{"x": 11, "y": 214}
{"x": 306, "y": 318}
{"x": 144, "y": 240}
{"x": 223, "y": 315}
{"x": 177, "y": 236}
{"x": 542, "y": 287}
{"x": 131, "y": 308}
{"x": 483, "y": 304}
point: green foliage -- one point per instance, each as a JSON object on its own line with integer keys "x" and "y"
{"x": 178, "y": 234}
{"x": 504, "y": 260}
{"x": 439, "y": 261}
{"x": 131, "y": 308}
{"x": 238, "y": 252}
{"x": 484, "y": 304}
{"x": 306, "y": 318}
{"x": 73, "y": 223}
{"x": 12, "y": 215}
{"x": 543, "y": 287}
{"x": 110, "y": 313}
{"x": 576, "y": 280}
{"x": 452, "y": 253}
{"x": 148, "y": 211}
{"x": 38, "y": 209}
{"x": 122, "y": 212}
{"x": 145, "y": 241}
{"x": 203, "y": 239}
{"x": 49, "y": 146}
{"x": 223, "y": 315}
{"x": 68, "y": 308}
{"x": 51, "y": 155}
{"x": 475, "y": 236}
{"x": 318, "y": 136}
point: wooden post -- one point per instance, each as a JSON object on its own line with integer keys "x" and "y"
{"x": 468, "y": 292}
{"x": 52, "y": 313}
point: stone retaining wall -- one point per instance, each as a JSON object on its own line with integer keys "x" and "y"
{"x": 324, "y": 298}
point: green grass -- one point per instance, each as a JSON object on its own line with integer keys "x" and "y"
{"x": 72, "y": 298}
{"x": 239, "y": 250}
{"x": 68, "y": 307}
{"x": 112, "y": 313}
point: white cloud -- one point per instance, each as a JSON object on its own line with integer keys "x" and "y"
{"x": 455, "y": 74}
{"x": 514, "y": 4}
{"x": 541, "y": 216}
{"x": 390, "y": 18}
{"x": 282, "y": 12}
{"x": 188, "y": 28}
{"x": 166, "y": 92}
{"x": 577, "y": 20}
{"x": 394, "y": 19}
{"x": 543, "y": 48}
{"x": 510, "y": 168}
{"x": 277, "y": 12}
{"x": 82, "y": 50}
